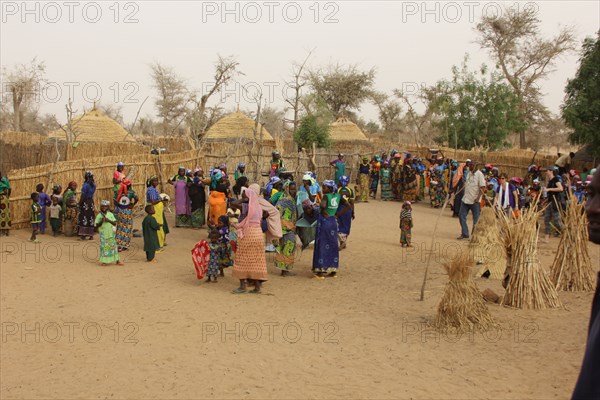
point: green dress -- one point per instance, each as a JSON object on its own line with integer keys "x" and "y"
{"x": 108, "y": 244}
{"x": 150, "y": 231}
{"x": 340, "y": 170}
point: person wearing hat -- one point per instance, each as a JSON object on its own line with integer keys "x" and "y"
{"x": 554, "y": 192}
{"x": 86, "y": 208}
{"x": 588, "y": 383}
{"x": 340, "y": 168}
{"x": 106, "y": 221}
{"x": 276, "y": 164}
{"x": 364, "y": 169}
{"x": 474, "y": 190}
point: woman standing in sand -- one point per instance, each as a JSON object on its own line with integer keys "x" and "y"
{"x": 181, "y": 182}
{"x": 153, "y": 197}
{"x": 70, "y": 210}
{"x": 105, "y": 221}
{"x": 326, "y": 256}
{"x": 250, "y": 262}
{"x": 86, "y": 208}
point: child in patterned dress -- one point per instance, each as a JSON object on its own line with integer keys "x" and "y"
{"x": 214, "y": 262}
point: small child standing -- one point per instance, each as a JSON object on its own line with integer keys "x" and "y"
{"x": 223, "y": 231}
{"x": 150, "y": 228}
{"x": 36, "y": 220}
{"x": 214, "y": 262}
{"x": 55, "y": 216}
{"x": 406, "y": 224}
{"x": 105, "y": 221}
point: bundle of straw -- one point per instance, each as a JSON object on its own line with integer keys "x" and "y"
{"x": 572, "y": 268}
{"x": 486, "y": 245}
{"x": 528, "y": 285}
{"x": 462, "y": 307}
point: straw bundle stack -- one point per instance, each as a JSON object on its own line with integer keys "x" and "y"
{"x": 486, "y": 246}
{"x": 572, "y": 269}
{"x": 462, "y": 307}
{"x": 528, "y": 285}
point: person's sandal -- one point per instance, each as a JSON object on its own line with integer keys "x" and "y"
{"x": 239, "y": 291}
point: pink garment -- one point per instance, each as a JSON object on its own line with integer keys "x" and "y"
{"x": 254, "y": 214}
{"x": 274, "y": 219}
{"x": 119, "y": 176}
{"x": 182, "y": 199}
{"x": 460, "y": 172}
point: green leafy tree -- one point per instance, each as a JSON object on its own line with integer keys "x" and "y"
{"x": 475, "y": 109}
{"x": 581, "y": 110}
{"x": 312, "y": 130}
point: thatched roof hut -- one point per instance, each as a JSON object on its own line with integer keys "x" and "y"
{"x": 237, "y": 126}
{"x": 344, "y": 130}
{"x": 95, "y": 126}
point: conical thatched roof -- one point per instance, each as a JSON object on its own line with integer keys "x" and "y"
{"x": 95, "y": 126}
{"x": 344, "y": 130}
{"x": 235, "y": 126}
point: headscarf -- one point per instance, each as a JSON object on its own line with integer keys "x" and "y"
{"x": 88, "y": 175}
{"x": 308, "y": 177}
{"x": 104, "y": 203}
{"x": 222, "y": 167}
{"x": 330, "y": 184}
{"x": 224, "y": 219}
{"x": 149, "y": 181}
{"x": 216, "y": 177}
{"x": 254, "y": 215}
{"x": 120, "y": 164}
{"x": 307, "y": 203}
{"x": 241, "y": 165}
{"x": 344, "y": 180}
{"x": 71, "y": 184}
{"x": 274, "y": 219}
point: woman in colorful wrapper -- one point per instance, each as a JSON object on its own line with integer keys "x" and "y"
{"x": 126, "y": 200}
{"x": 105, "y": 221}
{"x": 326, "y": 256}
{"x": 288, "y": 211}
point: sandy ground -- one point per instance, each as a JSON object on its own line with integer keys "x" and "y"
{"x": 72, "y": 329}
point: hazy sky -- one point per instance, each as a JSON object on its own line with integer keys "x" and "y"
{"x": 101, "y": 50}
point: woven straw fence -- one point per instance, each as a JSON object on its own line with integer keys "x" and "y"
{"x": 23, "y": 149}
{"x": 139, "y": 167}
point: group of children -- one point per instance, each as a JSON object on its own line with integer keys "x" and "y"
{"x": 40, "y": 201}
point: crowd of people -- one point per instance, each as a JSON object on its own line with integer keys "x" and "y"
{"x": 291, "y": 214}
